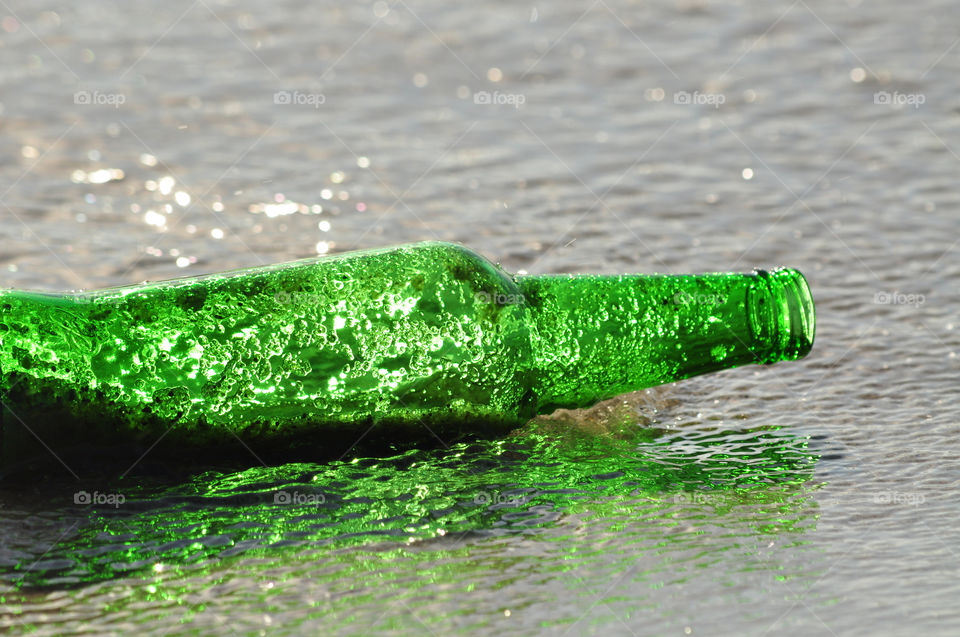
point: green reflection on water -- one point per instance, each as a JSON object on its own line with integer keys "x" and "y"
{"x": 436, "y": 505}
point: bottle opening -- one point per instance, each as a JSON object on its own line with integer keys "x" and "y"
{"x": 782, "y": 315}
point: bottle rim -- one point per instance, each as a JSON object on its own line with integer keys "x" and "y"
{"x": 789, "y": 321}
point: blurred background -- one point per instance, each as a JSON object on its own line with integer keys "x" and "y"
{"x": 166, "y": 139}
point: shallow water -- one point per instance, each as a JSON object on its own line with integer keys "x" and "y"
{"x": 805, "y": 498}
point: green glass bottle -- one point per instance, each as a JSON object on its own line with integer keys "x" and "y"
{"x": 415, "y": 340}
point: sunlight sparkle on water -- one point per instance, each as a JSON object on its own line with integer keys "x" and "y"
{"x": 281, "y": 206}
{"x": 165, "y": 185}
{"x": 100, "y": 176}
{"x": 154, "y": 218}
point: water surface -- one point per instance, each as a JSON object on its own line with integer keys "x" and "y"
{"x": 807, "y": 498}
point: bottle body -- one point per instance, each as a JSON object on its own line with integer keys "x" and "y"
{"x": 420, "y": 341}
{"x": 308, "y": 353}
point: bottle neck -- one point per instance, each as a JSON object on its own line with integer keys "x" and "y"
{"x": 599, "y": 336}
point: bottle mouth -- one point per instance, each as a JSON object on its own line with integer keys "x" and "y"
{"x": 782, "y": 314}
